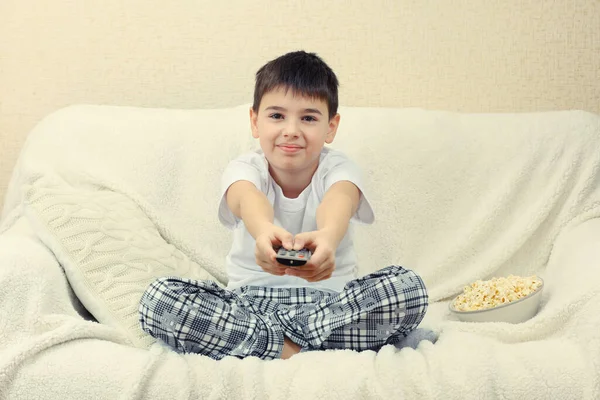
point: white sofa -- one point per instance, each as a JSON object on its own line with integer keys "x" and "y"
{"x": 105, "y": 199}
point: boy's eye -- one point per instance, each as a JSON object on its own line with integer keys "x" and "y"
{"x": 276, "y": 116}
{"x": 309, "y": 118}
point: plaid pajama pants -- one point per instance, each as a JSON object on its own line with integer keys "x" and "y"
{"x": 200, "y": 317}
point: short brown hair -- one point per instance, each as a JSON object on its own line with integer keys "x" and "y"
{"x": 306, "y": 74}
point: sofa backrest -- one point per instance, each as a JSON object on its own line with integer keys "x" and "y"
{"x": 457, "y": 196}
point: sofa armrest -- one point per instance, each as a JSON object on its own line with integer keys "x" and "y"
{"x": 572, "y": 270}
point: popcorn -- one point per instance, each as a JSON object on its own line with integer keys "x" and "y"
{"x": 481, "y": 295}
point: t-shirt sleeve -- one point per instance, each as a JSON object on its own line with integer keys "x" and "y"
{"x": 341, "y": 168}
{"x": 244, "y": 168}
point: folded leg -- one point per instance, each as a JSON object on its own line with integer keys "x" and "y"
{"x": 200, "y": 317}
{"x": 377, "y": 309}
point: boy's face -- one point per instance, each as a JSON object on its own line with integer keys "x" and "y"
{"x": 292, "y": 130}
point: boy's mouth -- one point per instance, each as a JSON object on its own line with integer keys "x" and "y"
{"x": 289, "y": 148}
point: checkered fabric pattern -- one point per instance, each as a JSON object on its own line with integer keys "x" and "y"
{"x": 199, "y": 317}
{"x": 377, "y": 309}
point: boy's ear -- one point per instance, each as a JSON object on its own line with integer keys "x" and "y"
{"x": 334, "y": 122}
{"x": 253, "y": 126}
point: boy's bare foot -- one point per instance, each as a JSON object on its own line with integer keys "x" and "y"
{"x": 289, "y": 349}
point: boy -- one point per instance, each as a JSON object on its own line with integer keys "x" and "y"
{"x": 293, "y": 193}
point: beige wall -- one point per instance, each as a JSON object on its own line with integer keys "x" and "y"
{"x": 512, "y": 55}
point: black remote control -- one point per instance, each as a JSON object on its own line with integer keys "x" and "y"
{"x": 292, "y": 258}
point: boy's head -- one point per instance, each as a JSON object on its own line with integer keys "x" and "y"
{"x": 305, "y": 74}
{"x": 294, "y": 112}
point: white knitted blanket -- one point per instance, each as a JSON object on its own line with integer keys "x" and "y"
{"x": 458, "y": 197}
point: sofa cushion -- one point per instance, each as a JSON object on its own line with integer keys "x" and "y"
{"x": 109, "y": 249}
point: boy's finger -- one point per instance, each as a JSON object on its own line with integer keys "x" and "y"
{"x": 288, "y": 242}
{"x": 276, "y": 268}
{"x": 308, "y": 274}
{"x": 285, "y": 238}
{"x": 308, "y": 270}
{"x": 317, "y": 258}
{"x": 262, "y": 259}
{"x": 298, "y": 243}
{"x": 322, "y": 276}
{"x": 312, "y": 265}
{"x": 302, "y": 240}
{"x": 266, "y": 247}
{"x": 305, "y": 270}
{"x": 298, "y": 272}
{"x": 273, "y": 270}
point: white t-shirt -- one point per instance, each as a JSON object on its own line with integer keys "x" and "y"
{"x": 295, "y": 215}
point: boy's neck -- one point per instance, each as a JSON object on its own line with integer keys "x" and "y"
{"x": 292, "y": 183}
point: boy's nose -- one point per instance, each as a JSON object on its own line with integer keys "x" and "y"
{"x": 291, "y": 129}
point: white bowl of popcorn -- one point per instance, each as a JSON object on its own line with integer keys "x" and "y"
{"x": 512, "y": 299}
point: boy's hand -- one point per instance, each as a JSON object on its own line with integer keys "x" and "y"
{"x": 322, "y": 261}
{"x": 270, "y": 237}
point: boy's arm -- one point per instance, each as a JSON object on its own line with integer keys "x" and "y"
{"x": 337, "y": 208}
{"x": 251, "y": 205}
